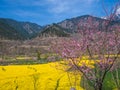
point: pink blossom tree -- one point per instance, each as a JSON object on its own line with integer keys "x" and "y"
{"x": 100, "y": 45}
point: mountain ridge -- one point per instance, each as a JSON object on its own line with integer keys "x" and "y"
{"x": 28, "y": 30}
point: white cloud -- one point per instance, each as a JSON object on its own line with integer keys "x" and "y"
{"x": 58, "y": 6}
{"x": 23, "y": 13}
{"x": 62, "y": 6}
{"x": 55, "y": 6}
{"x": 90, "y": 1}
{"x": 26, "y": 2}
{"x": 118, "y": 11}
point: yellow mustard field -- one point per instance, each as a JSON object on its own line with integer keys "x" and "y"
{"x": 37, "y": 77}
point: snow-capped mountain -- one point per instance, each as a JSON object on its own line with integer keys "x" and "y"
{"x": 117, "y": 15}
{"x": 104, "y": 17}
{"x": 118, "y": 11}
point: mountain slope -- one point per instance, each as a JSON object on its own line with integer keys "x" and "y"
{"x": 25, "y": 29}
{"x": 81, "y": 21}
{"x": 86, "y": 22}
{"x": 8, "y": 32}
{"x": 11, "y": 29}
{"x": 117, "y": 14}
{"x": 54, "y": 30}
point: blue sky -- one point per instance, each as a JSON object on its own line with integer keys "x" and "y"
{"x": 45, "y": 12}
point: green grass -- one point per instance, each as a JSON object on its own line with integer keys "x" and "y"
{"x": 111, "y": 80}
{"x": 108, "y": 84}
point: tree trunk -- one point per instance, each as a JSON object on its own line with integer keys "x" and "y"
{"x": 98, "y": 86}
